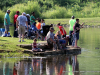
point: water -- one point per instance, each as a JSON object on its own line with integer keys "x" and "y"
{"x": 87, "y": 63}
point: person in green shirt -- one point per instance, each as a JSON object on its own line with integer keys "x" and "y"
{"x": 7, "y": 21}
{"x": 32, "y": 18}
{"x": 71, "y": 22}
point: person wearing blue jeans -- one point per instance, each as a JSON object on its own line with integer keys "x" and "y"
{"x": 71, "y": 22}
{"x": 76, "y": 31}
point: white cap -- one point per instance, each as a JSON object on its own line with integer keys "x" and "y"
{"x": 23, "y": 13}
{"x": 8, "y": 11}
{"x": 27, "y": 15}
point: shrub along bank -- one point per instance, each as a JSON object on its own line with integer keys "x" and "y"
{"x": 50, "y": 10}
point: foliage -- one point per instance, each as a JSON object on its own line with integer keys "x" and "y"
{"x": 53, "y": 8}
{"x": 57, "y": 12}
{"x": 27, "y": 8}
{"x": 1, "y": 16}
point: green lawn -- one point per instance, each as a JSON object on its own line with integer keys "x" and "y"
{"x": 9, "y": 43}
{"x": 87, "y": 21}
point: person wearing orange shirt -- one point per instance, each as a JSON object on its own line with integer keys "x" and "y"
{"x": 38, "y": 25}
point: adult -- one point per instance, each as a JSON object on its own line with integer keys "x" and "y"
{"x": 7, "y": 22}
{"x": 62, "y": 30}
{"x": 51, "y": 39}
{"x": 21, "y": 21}
{"x": 15, "y": 18}
{"x": 71, "y": 22}
{"x": 28, "y": 19}
{"x": 77, "y": 28}
{"x": 32, "y": 18}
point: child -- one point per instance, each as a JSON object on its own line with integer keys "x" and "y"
{"x": 61, "y": 41}
{"x": 34, "y": 46}
{"x": 42, "y": 23}
{"x": 76, "y": 31}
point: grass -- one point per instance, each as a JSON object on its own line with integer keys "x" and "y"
{"x": 9, "y": 43}
{"x": 88, "y": 21}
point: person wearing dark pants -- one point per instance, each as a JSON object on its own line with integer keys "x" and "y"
{"x": 71, "y": 22}
{"x": 15, "y": 18}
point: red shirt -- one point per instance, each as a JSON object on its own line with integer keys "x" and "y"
{"x": 62, "y": 30}
{"x": 15, "y": 18}
{"x": 35, "y": 45}
{"x": 14, "y": 71}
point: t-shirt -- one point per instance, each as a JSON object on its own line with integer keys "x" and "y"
{"x": 50, "y": 35}
{"x": 42, "y": 24}
{"x": 71, "y": 22}
{"x": 62, "y": 30}
{"x": 38, "y": 25}
{"x": 77, "y": 25}
{"x": 8, "y": 19}
{"x": 28, "y": 21}
{"x": 35, "y": 45}
{"x": 22, "y": 20}
{"x": 15, "y": 18}
{"x": 31, "y": 19}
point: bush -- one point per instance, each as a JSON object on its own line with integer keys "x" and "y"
{"x": 57, "y": 12}
{"x": 1, "y": 16}
{"x": 28, "y": 8}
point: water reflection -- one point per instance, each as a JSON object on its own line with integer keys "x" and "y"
{"x": 73, "y": 65}
{"x": 52, "y": 65}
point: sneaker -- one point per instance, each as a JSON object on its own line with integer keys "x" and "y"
{"x": 23, "y": 41}
{"x": 19, "y": 41}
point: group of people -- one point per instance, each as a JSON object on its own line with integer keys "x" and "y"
{"x": 22, "y": 22}
{"x": 74, "y": 31}
{"x": 57, "y": 41}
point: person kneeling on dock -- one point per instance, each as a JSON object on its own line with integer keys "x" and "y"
{"x": 51, "y": 39}
{"x": 34, "y": 47}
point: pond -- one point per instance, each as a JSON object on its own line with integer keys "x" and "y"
{"x": 87, "y": 63}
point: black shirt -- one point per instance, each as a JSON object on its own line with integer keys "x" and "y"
{"x": 28, "y": 20}
{"x": 77, "y": 26}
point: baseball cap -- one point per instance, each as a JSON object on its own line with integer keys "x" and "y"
{"x": 17, "y": 12}
{"x": 8, "y": 11}
{"x": 27, "y": 15}
{"x": 73, "y": 17}
{"x": 24, "y": 13}
{"x": 51, "y": 28}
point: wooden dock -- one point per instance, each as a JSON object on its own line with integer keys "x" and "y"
{"x": 68, "y": 50}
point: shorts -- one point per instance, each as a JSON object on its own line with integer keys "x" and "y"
{"x": 21, "y": 29}
{"x": 77, "y": 36}
{"x": 6, "y": 27}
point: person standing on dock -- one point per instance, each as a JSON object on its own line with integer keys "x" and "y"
{"x": 21, "y": 21}
{"x": 71, "y": 22}
{"x": 77, "y": 28}
{"x": 7, "y": 22}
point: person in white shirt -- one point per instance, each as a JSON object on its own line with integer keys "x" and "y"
{"x": 20, "y": 23}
